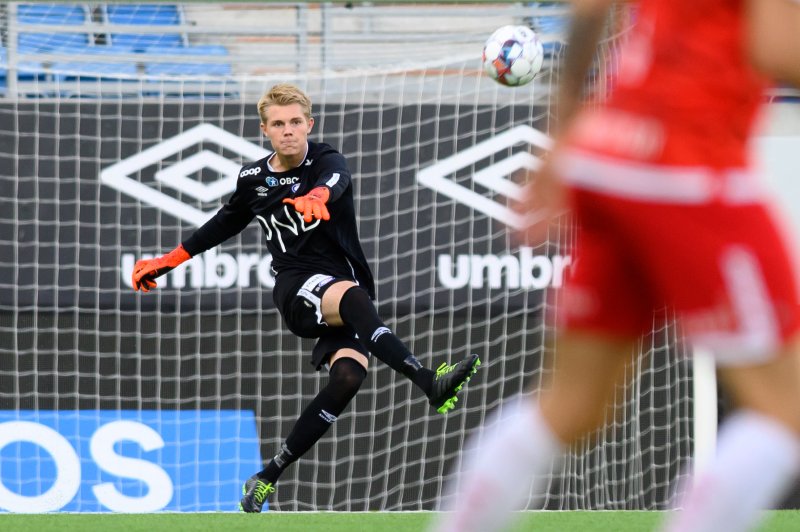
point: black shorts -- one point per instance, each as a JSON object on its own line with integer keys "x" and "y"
{"x": 298, "y": 297}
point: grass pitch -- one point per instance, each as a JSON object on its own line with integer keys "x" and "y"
{"x": 778, "y": 521}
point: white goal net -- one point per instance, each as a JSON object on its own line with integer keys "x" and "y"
{"x": 116, "y": 401}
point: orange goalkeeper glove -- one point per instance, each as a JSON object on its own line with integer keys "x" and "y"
{"x": 312, "y": 205}
{"x": 145, "y": 271}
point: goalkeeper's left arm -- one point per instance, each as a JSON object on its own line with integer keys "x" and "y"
{"x": 333, "y": 181}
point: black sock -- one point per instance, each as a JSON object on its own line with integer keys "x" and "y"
{"x": 357, "y": 311}
{"x": 346, "y": 376}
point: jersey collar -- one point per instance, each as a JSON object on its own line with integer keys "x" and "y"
{"x": 271, "y": 169}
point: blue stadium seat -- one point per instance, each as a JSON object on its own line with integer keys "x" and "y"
{"x": 26, "y": 70}
{"x": 140, "y": 41}
{"x": 62, "y": 14}
{"x": 145, "y": 14}
{"x": 31, "y": 71}
{"x": 37, "y": 43}
{"x": 3, "y": 69}
{"x": 108, "y": 49}
{"x": 90, "y": 71}
{"x": 51, "y": 14}
{"x": 197, "y": 49}
{"x": 190, "y": 67}
{"x": 550, "y": 24}
{"x": 150, "y": 14}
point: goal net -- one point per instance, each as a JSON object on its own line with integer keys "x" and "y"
{"x": 116, "y": 401}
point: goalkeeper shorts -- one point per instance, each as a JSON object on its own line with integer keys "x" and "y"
{"x": 298, "y": 297}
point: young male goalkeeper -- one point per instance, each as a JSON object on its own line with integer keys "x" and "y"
{"x": 302, "y": 197}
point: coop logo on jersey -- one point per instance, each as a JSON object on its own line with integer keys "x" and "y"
{"x": 495, "y": 177}
{"x": 251, "y": 171}
{"x": 177, "y": 175}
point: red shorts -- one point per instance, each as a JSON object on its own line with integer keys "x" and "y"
{"x": 713, "y": 252}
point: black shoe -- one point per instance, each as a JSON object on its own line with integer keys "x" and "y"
{"x": 255, "y": 493}
{"x": 449, "y": 380}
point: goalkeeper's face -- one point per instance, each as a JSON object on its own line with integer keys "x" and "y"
{"x": 287, "y": 128}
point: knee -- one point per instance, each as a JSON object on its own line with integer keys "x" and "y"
{"x": 570, "y": 418}
{"x": 332, "y": 301}
{"x": 346, "y": 375}
{"x": 354, "y": 302}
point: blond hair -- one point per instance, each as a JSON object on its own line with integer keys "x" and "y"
{"x": 283, "y": 94}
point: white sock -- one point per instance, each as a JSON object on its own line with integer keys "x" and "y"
{"x": 517, "y": 448}
{"x": 757, "y": 459}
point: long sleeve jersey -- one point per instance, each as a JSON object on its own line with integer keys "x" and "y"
{"x": 331, "y": 247}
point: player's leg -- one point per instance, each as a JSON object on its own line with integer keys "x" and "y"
{"x": 520, "y": 446}
{"x": 758, "y": 452}
{"x": 345, "y": 303}
{"x": 751, "y": 294}
{"x": 348, "y": 368}
{"x": 606, "y": 306}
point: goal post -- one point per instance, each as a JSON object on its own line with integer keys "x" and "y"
{"x": 170, "y": 400}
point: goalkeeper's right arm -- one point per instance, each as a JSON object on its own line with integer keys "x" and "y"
{"x": 228, "y": 221}
{"x": 145, "y": 271}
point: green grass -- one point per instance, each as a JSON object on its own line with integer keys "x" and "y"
{"x": 779, "y": 521}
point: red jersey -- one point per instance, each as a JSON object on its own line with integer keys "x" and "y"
{"x": 671, "y": 215}
{"x": 687, "y": 92}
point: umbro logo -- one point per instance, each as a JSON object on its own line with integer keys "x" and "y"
{"x": 262, "y": 191}
{"x": 327, "y": 416}
{"x": 494, "y": 178}
{"x": 177, "y": 171}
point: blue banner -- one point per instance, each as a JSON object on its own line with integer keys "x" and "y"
{"x": 126, "y": 461}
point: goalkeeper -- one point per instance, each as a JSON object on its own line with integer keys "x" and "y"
{"x": 301, "y": 195}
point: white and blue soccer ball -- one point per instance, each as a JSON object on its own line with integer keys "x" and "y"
{"x": 513, "y": 55}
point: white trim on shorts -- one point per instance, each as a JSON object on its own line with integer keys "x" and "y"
{"x": 306, "y": 292}
{"x": 758, "y": 338}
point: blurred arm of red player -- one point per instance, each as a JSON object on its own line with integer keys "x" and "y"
{"x": 545, "y": 197}
{"x": 773, "y": 38}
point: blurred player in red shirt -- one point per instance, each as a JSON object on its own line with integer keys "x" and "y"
{"x": 670, "y": 214}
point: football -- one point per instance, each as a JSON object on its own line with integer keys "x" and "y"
{"x": 513, "y": 55}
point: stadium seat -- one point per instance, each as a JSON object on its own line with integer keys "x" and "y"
{"x": 61, "y": 14}
{"x": 196, "y": 50}
{"x": 150, "y": 14}
{"x": 194, "y": 64}
{"x": 31, "y": 71}
{"x": 50, "y": 14}
{"x": 26, "y": 70}
{"x": 147, "y": 15}
{"x": 108, "y": 49}
{"x": 552, "y": 25}
{"x": 3, "y": 70}
{"x": 91, "y": 71}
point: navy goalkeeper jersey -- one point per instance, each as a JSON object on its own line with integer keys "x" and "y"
{"x": 330, "y": 247}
